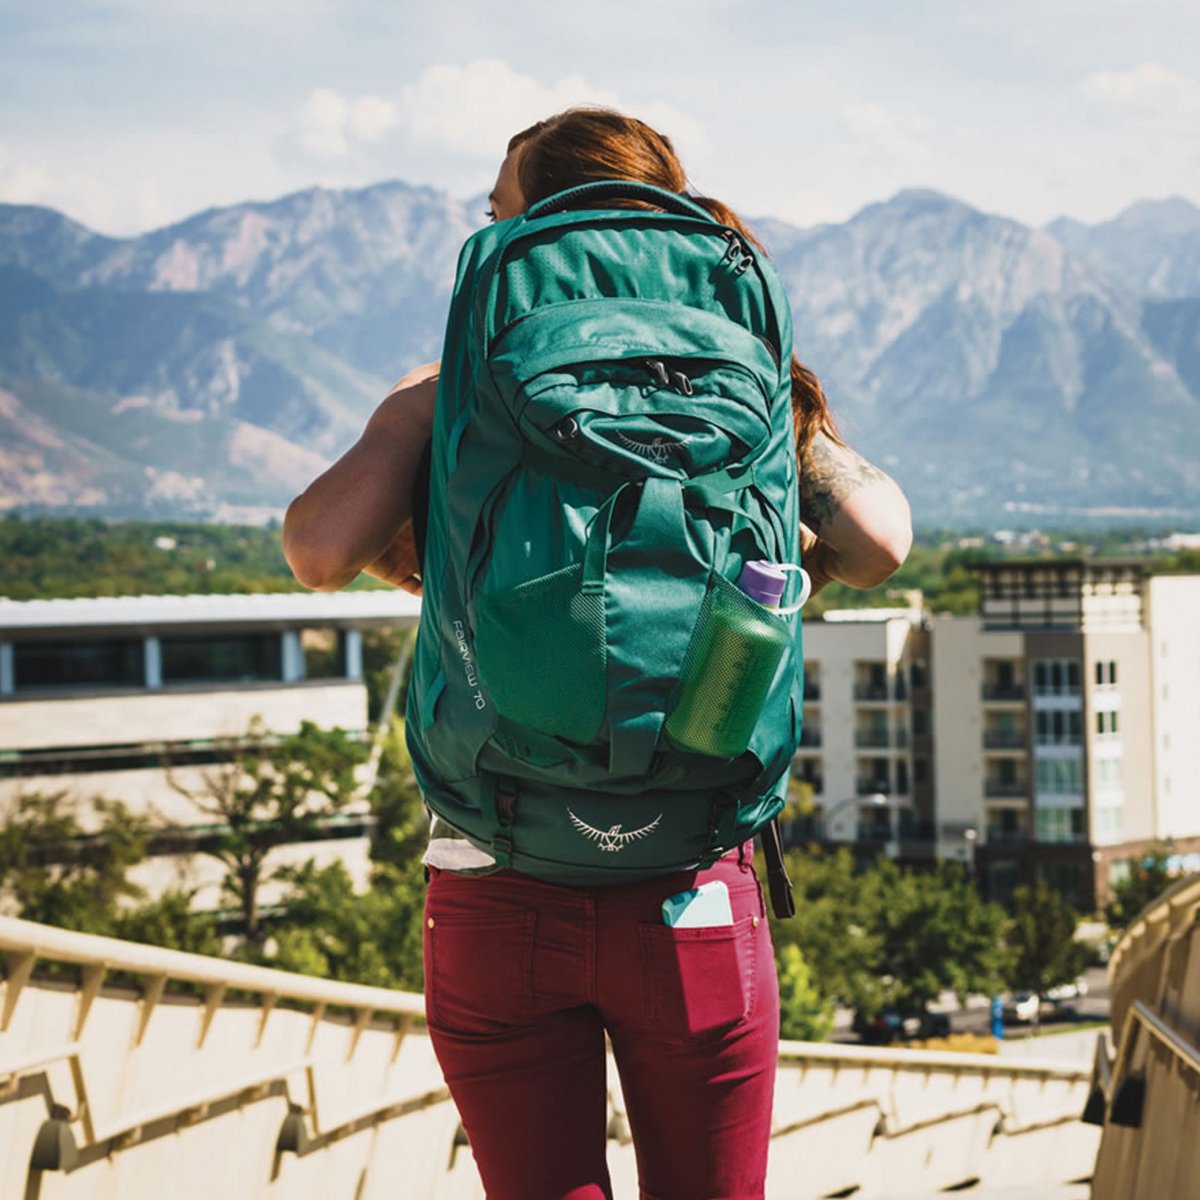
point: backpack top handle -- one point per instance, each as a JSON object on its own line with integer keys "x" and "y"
{"x": 619, "y": 189}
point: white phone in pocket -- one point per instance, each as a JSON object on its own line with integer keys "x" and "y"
{"x": 706, "y": 906}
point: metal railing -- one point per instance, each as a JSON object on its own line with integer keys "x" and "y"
{"x": 1004, "y": 739}
{"x": 1146, "y": 1089}
{"x": 97, "y": 958}
{"x": 1005, "y": 789}
{"x": 286, "y": 1087}
{"x": 872, "y": 739}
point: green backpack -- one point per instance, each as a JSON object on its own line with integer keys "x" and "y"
{"x": 613, "y": 441}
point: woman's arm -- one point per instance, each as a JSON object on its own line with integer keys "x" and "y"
{"x": 857, "y": 528}
{"x": 357, "y": 515}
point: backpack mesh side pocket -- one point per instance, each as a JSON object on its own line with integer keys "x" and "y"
{"x": 541, "y": 653}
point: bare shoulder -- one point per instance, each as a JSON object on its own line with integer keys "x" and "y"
{"x": 829, "y": 474}
{"x": 426, "y": 373}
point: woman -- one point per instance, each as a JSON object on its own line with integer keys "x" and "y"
{"x": 521, "y": 999}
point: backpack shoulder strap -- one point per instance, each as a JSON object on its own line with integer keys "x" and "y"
{"x": 783, "y": 901}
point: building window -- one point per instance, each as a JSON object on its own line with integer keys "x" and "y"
{"x": 870, "y": 681}
{"x": 324, "y": 655}
{"x": 1110, "y": 823}
{"x": 808, "y": 770}
{"x": 1058, "y": 728}
{"x": 244, "y": 658}
{"x": 1106, "y": 674}
{"x": 114, "y": 662}
{"x": 1060, "y": 776}
{"x": 1059, "y": 824}
{"x": 1106, "y": 723}
{"x": 1056, "y": 677}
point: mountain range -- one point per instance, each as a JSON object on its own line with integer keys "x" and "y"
{"x": 211, "y": 368}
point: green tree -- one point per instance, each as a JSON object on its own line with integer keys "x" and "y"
{"x": 373, "y": 937}
{"x": 170, "y": 921}
{"x": 269, "y": 795}
{"x": 935, "y": 934}
{"x": 1149, "y": 876}
{"x": 831, "y": 929}
{"x": 804, "y": 1013}
{"x": 55, "y": 871}
{"x": 1041, "y": 936}
{"x": 332, "y": 931}
{"x": 401, "y": 820}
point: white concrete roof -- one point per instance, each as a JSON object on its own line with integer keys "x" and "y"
{"x": 863, "y": 616}
{"x": 299, "y": 608}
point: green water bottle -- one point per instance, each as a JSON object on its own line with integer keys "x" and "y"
{"x": 729, "y": 671}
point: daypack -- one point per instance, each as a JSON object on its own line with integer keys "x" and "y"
{"x": 613, "y": 441}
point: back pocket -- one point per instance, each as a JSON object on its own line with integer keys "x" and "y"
{"x": 541, "y": 652}
{"x": 700, "y": 982}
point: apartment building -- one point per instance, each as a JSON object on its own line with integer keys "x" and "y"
{"x": 866, "y": 744}
{"x": 1067, "y": 720}
{"x": 97, "y": 696}
{"x": 1055, "y": 734}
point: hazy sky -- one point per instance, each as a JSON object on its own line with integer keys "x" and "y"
{"x": 128, "y": 114}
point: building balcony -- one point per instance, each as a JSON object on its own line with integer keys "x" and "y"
{"x": 871, "y": 787}
{"x": 810, "y": 738}
{"x": 1008, "y": 837}
{"x": 872, "y": 693}
{"x": 1004, "y": 739}
{"x": 873, "y": 739}
{"x": 1005, "y": 693}
{"x": 812, "y": 692}
{"x": 1005, "y": 789}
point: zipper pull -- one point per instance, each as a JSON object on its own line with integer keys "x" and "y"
{"x": 658, "y": 369}
{"x": 567, "y": 430}
{"x": 682, "y": 383}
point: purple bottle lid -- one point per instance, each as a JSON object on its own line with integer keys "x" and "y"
{"x": 764, "y": 582}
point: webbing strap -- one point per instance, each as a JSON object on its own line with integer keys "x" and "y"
{"x": 722, "y": 828}
{"x": 595, "y": 553}
{"x": 658, "y": 523}
{"x": 722, "y": 483}
{"x": 779, "y": 885}
{"x": 498, "y": 802}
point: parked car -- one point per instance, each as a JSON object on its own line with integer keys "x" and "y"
{"x": 1021, "y": 1008}
{"x": 1068, "y": 991}
{"x": 890, "y": 1025}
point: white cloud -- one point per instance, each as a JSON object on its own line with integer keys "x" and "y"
{"x": 24, "y": 182}
{"x": 877, "y": 130}
{"x": 329, "y": 122}
{"x": 371, "y": 118}
{"x": 1148, "y": 89}
{"x": 474, "y": 109}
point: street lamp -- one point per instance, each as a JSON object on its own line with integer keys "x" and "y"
{"x": 874, "y": 800}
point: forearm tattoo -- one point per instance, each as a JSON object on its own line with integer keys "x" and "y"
{"x": 829, "y": 473}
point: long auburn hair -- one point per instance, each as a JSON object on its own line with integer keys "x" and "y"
{"x": 581, "y": 145}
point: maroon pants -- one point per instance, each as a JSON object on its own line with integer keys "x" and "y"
{"x": 522, "y": 981}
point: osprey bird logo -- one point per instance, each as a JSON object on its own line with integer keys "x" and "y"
{"x": 657, "y": 449}
{"x": 613, "y": 839}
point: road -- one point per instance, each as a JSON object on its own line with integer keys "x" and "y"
{"x": 976, "y": 1017}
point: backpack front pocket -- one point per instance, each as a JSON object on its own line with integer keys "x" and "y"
{"x": 541, "y": 653}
